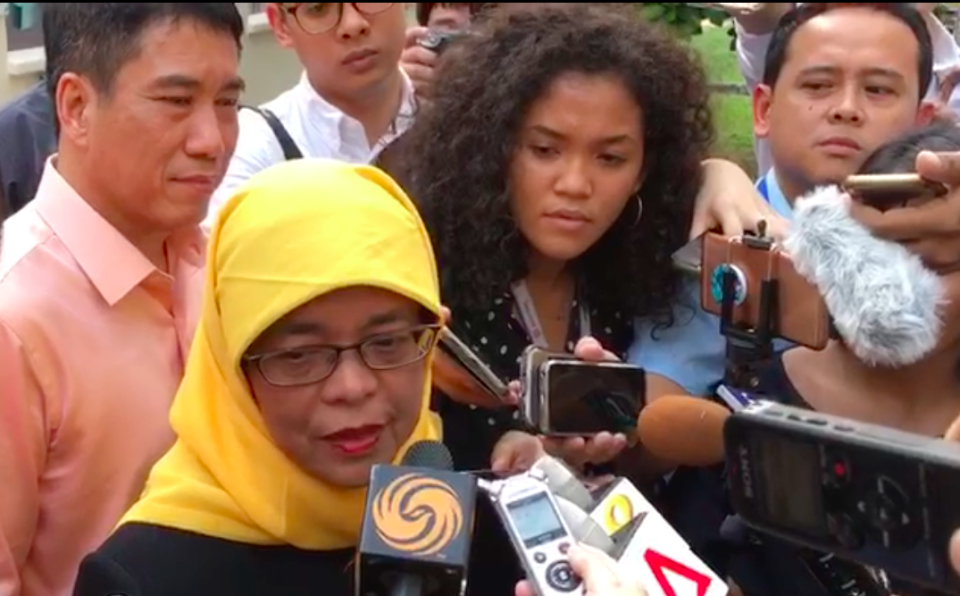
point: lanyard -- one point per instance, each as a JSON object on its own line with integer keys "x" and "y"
{"x": 530, "y": 320}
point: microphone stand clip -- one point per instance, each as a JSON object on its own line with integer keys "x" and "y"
{"x": 748, "y": 347}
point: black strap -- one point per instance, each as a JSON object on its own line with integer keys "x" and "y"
{"x": 290, "y": 149}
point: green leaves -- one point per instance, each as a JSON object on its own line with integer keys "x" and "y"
{"x": 686, "y": 21}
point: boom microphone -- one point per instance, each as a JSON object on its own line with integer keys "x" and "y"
{"x": 884, "y": 302}
{"x": 684, "y": 430}
{"x": 417, "y": 526}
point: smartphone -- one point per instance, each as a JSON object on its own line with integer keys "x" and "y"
{"x": 580, "y": 398}
{"x": 867, "y": 493}
{"x": 888, "y": 191}
{"x": 690, "y": 256}
{"x": 457, "y": 350}
{"x": 530, "y": 361}
{"x": 799, "y": 312}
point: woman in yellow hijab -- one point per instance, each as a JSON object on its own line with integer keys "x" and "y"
{"x": 310, "y": 365}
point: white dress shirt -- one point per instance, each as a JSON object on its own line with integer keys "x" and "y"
{"x": 319, "y": 129}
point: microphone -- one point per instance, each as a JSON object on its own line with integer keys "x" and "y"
{"x": 684, "y": 430}
{"x": 417, "y": 526}
{"x": 884, "y": 302}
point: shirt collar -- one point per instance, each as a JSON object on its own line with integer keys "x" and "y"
{"x": 342, "y": 130}
{"x": 111, "y": 262}
{"x": 769, "y": 187}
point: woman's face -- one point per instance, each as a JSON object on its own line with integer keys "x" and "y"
{"x": 337, "y": 428}
{"x": 577, "y": 163}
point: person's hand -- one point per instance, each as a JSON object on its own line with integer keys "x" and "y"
{"x": 930, "y": 229}
{"x": 418, "y": 62}
{"x": 729, "y": 200}
{"x": 460, "y": 386}
{"x": 760, "y": 18}
{"x": 516, "y": 452}
{"x": 600, "y": 448}
{"x": 601, "y": 575}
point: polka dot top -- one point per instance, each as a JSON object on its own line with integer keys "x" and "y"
{"x": 498, "y": 337}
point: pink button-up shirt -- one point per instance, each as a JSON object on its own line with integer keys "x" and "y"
{"x": 93, "y": 340}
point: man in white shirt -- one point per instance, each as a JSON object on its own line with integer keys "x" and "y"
{"x": 352, "y": 100}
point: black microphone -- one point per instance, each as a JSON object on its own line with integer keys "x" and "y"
{"x": 417, "y": 526}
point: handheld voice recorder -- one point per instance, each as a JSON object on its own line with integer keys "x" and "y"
{"x": 875, "y": 495}
{"x": 540, "y": 535}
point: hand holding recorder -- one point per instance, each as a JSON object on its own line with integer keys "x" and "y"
{"x": 601, "y": 575}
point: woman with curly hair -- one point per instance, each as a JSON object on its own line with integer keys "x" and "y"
{"x": 557, "y": 169}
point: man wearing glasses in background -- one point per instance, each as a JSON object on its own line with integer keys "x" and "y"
{"x": 351, "y": 101}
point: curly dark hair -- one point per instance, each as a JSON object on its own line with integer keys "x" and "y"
{"x": 457, "y": 154}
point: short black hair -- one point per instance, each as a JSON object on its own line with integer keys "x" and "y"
{"x": 457, "y": 154}
{"x": 899, "y": 156}
{"x": 96, "y": 39}
{"x": 794, "y": 19}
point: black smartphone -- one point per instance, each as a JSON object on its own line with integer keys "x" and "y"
{"x": 580, "y": 398}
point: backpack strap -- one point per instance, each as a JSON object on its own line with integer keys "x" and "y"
{"x": 290, "y": 149}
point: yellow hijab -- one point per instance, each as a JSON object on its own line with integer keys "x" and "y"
{"x": 294, "y": 232}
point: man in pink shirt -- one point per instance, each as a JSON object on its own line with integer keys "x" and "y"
{"x": 99, "y": 275}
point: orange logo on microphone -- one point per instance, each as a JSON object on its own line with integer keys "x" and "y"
{"x": 417, "y": 515}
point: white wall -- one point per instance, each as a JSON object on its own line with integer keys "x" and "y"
{"x": 267, "y": 68}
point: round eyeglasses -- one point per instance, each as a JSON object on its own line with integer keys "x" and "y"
{"x": 320, "y": 17}
{"x": 312, "y": 364}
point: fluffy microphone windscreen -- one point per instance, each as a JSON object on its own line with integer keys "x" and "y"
{"x": 885, "y": 304}
{"x": 684, "y": 430}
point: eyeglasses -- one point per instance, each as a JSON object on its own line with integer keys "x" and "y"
{"x": 312, "y": 364}
{"x": 320, "y": 17}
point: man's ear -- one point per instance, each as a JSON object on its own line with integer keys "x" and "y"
{"x": 928, "y": 111}
{"x": 762, "y": 102}
{"x": 75, "y": 101}
{"x": 280, "y": 22}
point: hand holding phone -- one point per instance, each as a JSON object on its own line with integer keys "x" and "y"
{"x": 889, "y": 191}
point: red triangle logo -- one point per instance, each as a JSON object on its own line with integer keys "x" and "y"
{"x": 659, "y": 561}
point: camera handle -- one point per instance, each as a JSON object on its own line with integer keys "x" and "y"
{"x": 748, "y": 347}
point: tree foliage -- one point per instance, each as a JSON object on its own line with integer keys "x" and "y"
{"x": 685, "y": 20}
